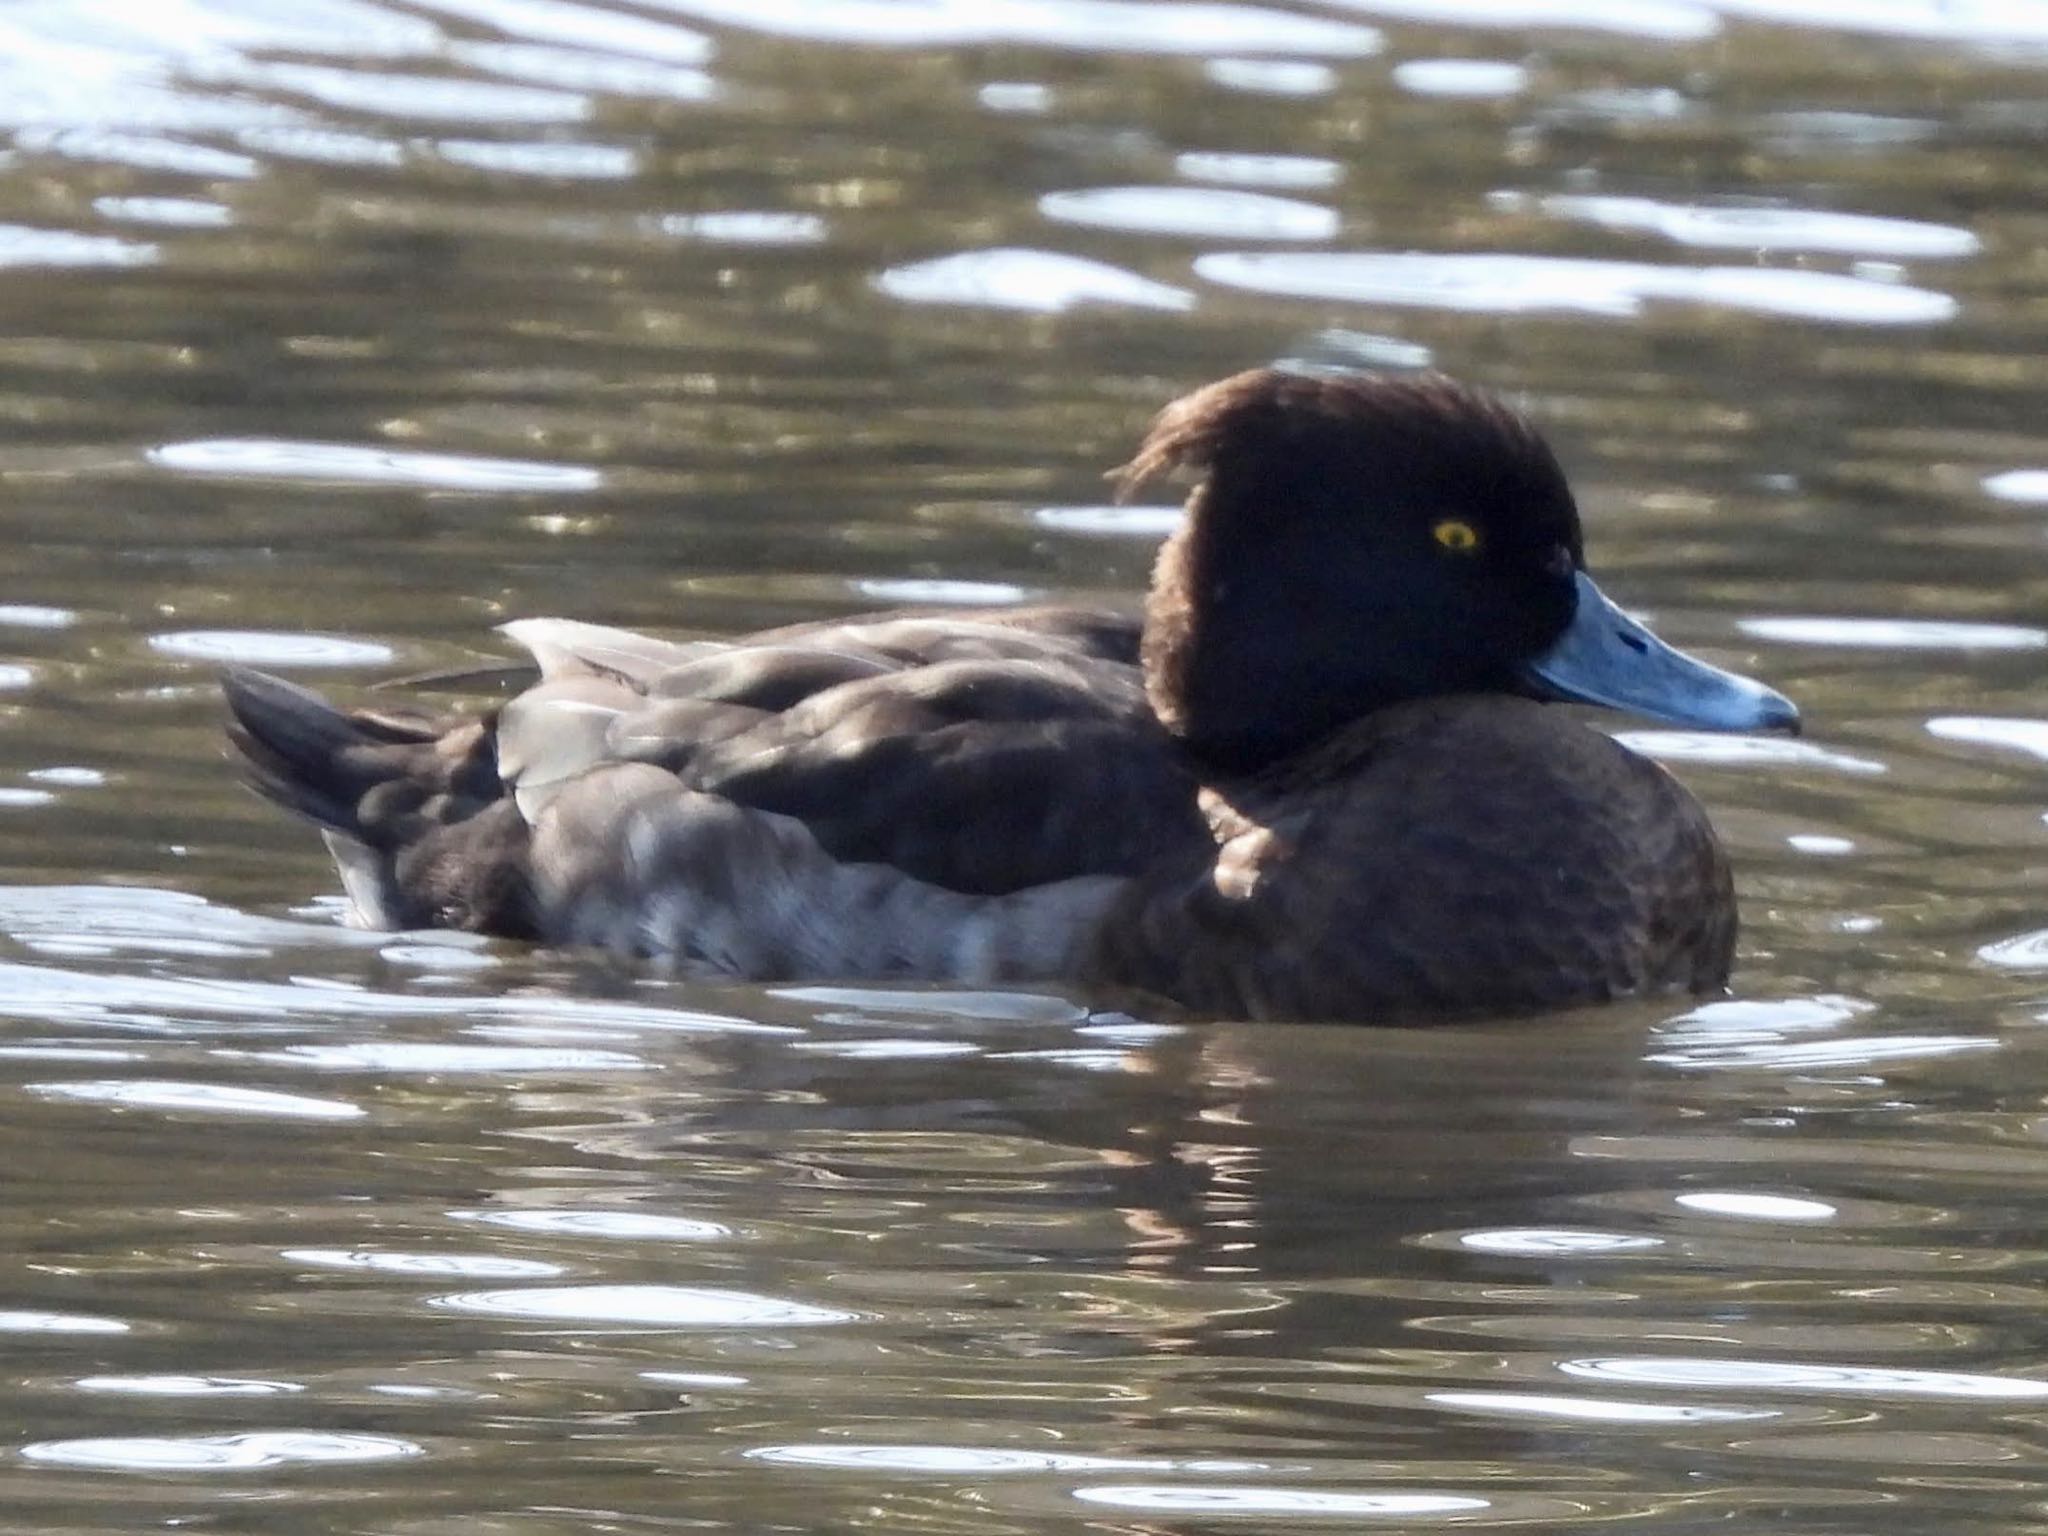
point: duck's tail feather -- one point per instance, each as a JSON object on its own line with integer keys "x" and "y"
{"x": 297, "y": 750}
{"x": 420, "y": 826}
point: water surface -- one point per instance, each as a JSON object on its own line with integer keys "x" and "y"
{"x": 333, "y": 333}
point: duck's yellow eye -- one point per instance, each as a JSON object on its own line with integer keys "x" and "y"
{"x": 1455, "y": 535}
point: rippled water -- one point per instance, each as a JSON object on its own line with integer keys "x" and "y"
{"x": 332, "y": 333}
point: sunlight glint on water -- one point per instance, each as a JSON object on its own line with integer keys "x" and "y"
{"x": 339, "y": 332}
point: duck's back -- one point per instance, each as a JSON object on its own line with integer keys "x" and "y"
{"x": 975, "y": 754}
{"x": 1455, "y": 857}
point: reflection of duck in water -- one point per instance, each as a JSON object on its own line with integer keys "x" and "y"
{"x": 1315, "y": 781}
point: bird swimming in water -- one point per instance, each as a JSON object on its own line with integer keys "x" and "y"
{"x": 1320, "y": 775}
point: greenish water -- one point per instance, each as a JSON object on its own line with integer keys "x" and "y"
{"x": 333, "y": 333}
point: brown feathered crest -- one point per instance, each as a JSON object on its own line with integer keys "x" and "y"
{"x": 1429, "y": 424}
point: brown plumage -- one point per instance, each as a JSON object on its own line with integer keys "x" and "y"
{"x": 1313, "y": 781}
{"x": 1446, "y": 858}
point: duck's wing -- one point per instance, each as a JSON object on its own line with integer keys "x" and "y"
{"x": 1038, "y": 630}
{"x": 981, "y": 776}
{"x": 569, "y": 647}
{"x": 700, "y": 694}
{"x": 985, "y": 754}
{"x": 586, "y": 712}
{"x": 1028, "y": 759}
{"x": 612, "y": 695}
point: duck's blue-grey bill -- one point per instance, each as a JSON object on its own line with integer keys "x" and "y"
{"x": 1607, "y": 658}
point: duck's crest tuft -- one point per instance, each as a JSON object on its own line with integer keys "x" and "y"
{"x": 1264, "y": 415}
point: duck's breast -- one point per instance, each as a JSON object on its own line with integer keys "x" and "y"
{"x": 1445, "y": 859}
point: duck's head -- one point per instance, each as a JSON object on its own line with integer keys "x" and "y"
{"x": 1359, "y": 540}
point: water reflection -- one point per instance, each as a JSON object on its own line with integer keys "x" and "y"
{"x": 416, "y": 100}
{"x": 259, "y": 649}
{"x": 1486, "y": 79}
{"x": 1191, "y": 211}
{"x": 200, "y": 1098}
{"x": 1045, "y": 281}
{"x": 217, "y": 1453}
{"x": 1896, "y": 634}
{"x": 932, "y": 1458}
{"x": 629, "y": 1226}
{"x": 36, "y": 616}
{"x": 1299, "y": 171}
{"x": 1169, "y": 1498}
{"x": 1755, "y": 228}
{"x": 341, "y": 331}
{"x": 1754, "y": 751}
{"x": 434, "y": 1266}
{"x": 1094, "y": 25}
{"x": 186, "y": 1386}
{"x": 24, "y": 247}
{"x": 582, "y": 27}
{"x": 1270, "y": 77}
{"x": 179, "y": 212}
{"x": 1752, "y": 1375}
{"x": 1663, "y": 20}
{"x": 1592, "y": 1410}
{"x": 2019, "y": 485}
{"x": 15, "y": 1321}
{"x": 1983, "y": 21}
{"x": 743, "y": 228}
{"x": 652, "y": 1306}
{"x": 1756, "y": 1207}
{"x": 1148, "y": 523}
{"x": 1536, "y": 284}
